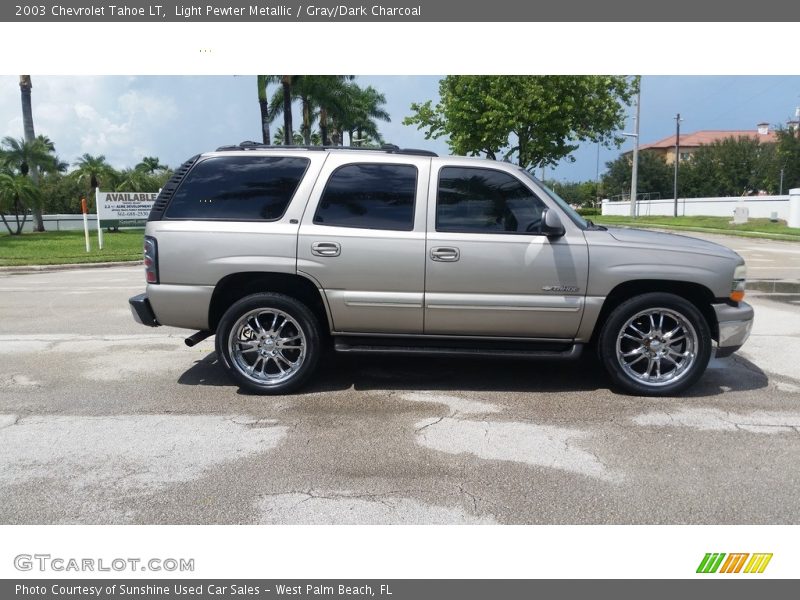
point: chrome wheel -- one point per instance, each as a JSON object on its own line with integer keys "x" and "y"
{"x": 267, "y": 346}
{"x": 657, "y": 347}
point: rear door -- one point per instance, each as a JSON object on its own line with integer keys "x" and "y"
{"x": 362, "y": 239}
{"x": 489, "y": 269}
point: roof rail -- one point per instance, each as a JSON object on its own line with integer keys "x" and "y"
{"x": 388, "y": 148}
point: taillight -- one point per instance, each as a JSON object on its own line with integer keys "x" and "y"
{"x": 150, "y": 259}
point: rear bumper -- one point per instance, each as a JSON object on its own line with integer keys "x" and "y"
{"x": 735, "y": 323}
{"x": 142, "y": 311}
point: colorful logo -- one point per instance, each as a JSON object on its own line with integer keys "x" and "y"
{"x": 713, "y": 562}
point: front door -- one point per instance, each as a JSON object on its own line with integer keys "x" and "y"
{"x": 489, "y": 269}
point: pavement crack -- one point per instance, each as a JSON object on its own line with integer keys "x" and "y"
{"x": 436, "y": 422}
{"x": 472, "y": 497}
{"x": 15, "y": 421}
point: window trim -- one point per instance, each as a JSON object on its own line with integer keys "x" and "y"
{"x": 511, "y": 175}
{"x": 368, "y": 163}
{"x": 200, "y": 161}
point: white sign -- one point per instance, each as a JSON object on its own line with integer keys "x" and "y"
{"x": 125, "y": 206}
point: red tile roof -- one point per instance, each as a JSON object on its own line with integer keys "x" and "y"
{"x": 708, "y": 136}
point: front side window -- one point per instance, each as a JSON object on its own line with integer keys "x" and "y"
{"x": 476, "y": 200}
{"x": 369, "y": 196}
{"x": 247, "y": 188}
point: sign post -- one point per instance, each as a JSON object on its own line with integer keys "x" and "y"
{"x": 85, "y": 211}
{"x": 97, "y": 209}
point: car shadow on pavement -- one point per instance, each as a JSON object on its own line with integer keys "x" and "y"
{"x": 339, "y": 372}
{"x": 732, "y": 374}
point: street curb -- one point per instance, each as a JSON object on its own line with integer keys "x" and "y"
{"x": 663, "y": 227}
{"x": 774, "y": 286}
{"x": 22, "y": 269}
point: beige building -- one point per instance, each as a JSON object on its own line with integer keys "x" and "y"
{"x": 690, "y": 142}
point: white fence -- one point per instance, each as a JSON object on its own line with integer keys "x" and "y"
{"x": 64, "y": 222}
{"x": 758, "y": 207}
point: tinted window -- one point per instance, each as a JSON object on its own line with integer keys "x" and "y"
{"x": 369, "y": 196}
{"x": 485, "y": 201}
{"x": 238, "y": 187}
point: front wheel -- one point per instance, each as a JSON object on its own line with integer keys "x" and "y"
{"x": 268, "y": 343}
{"x": 655, "y": 344}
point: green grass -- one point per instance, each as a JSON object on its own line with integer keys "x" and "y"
{"x": 760, "y": 228}
{"x": 68, "y": 247}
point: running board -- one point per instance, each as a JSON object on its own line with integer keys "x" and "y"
{"x": 522, "y": 351}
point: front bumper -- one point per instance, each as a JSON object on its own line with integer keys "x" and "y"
{"x": 735, "y": 323}
{"x": 142, "y": 311}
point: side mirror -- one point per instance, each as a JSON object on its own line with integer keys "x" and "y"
{"x": 553, "y": 227}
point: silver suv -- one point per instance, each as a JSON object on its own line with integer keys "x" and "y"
{"x": 283, "y": 251}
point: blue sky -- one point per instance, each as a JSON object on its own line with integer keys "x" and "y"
{"x": 173, "y": 118}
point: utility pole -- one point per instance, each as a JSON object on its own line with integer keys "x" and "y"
{"x": 677, "y": 159}
{"x": 597, "y": 179}
{"x": 635, "y": 167}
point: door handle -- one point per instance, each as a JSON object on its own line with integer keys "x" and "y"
{"x": 326, "y": 249}
{"x": 445, "y": 254}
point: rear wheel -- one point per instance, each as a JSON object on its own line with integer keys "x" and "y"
{"x": 656, "y": 344}
{"x": 268, "y": 343}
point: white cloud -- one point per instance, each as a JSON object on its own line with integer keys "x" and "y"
{"x": 111, "y": 116}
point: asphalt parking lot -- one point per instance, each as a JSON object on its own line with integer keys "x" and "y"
{"x": 105, "y": 421}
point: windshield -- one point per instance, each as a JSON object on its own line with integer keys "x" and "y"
{"x": 574, "y": 216}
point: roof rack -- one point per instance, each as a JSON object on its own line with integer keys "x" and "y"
{"x": 388, "y": 148}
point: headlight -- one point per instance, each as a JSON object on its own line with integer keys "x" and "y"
{"x": 737, "y": 287}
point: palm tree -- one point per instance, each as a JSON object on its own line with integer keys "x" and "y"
{"x": 320, "y": 96}
{"x": 263, "y": 103}
{"x": 280, "y": 138}
{"x": 138, "y": 180}
{"x": 305, "y": 93}
{"x": 334, "y": 98}
{"x": 92, "y": 170}
{"x": 59, "y": 166}
{"x": 28, "y": 158}
{"x": 25, "y": 87}
{"x": 151, "y": 164}
{"x": 46, "y": 142}
{"x": 367, "y": 107}
{"x": 15, "y": 192}
{"x": 287, "y": 81}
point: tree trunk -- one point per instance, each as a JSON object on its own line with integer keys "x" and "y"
{"x": 25, "y": 87}
{"x": 288, "y": 132}
{"x": 264, "y": 106}
{"x": 350, "y": 135}
{"x": 306, "y": 122}
{"x": 17, "y": 207}
{"x": 323, "y": 126}
{"x": 10, "y": 231}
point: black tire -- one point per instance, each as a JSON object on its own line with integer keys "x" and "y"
{"x": 633, "y": 360}
{"x": 281, "y": 363}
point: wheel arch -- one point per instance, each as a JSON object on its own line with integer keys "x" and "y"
{"x": 699, "y": 295}
{"x": 236, "y": 286}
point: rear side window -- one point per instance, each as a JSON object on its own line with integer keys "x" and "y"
{"x": 474, "y": 200}
{"x": 369, "y": 196}
{"x": 245, "y": 188}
